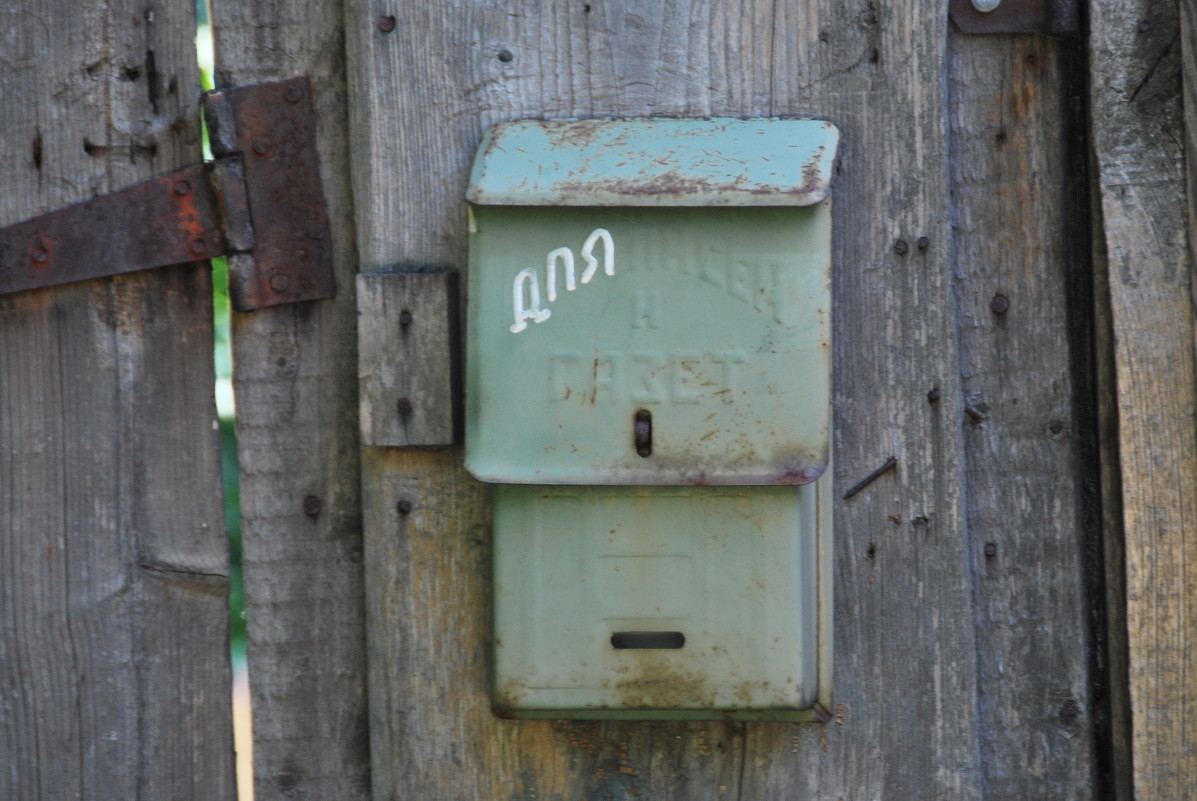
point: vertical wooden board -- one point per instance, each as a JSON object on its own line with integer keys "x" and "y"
{"x": 1138, "y": 136}
{"x": 903, "y": 725}
{"x": 1019, "y": 228}
{"x": 407, "y": 358}
{"x": 295, "y": 378}
{"x": 114, "y": 674}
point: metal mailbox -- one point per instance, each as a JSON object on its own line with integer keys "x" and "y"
{"x": 648, "y": 385}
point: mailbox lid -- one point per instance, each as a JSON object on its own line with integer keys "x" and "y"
{"x": 655, "y": 162}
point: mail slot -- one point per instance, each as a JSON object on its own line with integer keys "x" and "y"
{"x": 648, "y": 387}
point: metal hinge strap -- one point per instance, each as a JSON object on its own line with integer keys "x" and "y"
{"x": 260, "y": 202}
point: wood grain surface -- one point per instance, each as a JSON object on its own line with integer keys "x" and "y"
{"x": 295, "y": 379}
{"x": 1139, "y": 139}
{"x": 114, "y": 668}
{"x": 425, "y": 81}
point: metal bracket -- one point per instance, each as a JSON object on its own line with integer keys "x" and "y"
{"x": 1015, "y": 16}
{"x": 260, "y": 202}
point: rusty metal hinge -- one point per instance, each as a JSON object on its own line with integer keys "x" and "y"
{"x": 260, "y": 202}
{"x": 1015, "y": 16}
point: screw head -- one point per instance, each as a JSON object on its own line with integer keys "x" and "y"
{"x": 39, "y": 256}
{"x": 901, "y": 247}
{"x": 991, "y": 549}
{"x": 1144, "y": 26}
{"x": 405, "y": 318}
{"x": 1000, "y": 304}
{"x": 924, "y": 243}
{"x": 933, "y": 396}
{"x": 199, "y": 247}
{"x": 293, "y": 93}
{"x": 386, "y": 24}
{"x": 311, "y": 506}
{"x": 261, "y": 145}
{"x": 280, "y": 282}
{"x": 182, "y": 188}
{"x": 404, "y": 507}
{"x": 505, "y": 56}
{"x": 404, "y": 406}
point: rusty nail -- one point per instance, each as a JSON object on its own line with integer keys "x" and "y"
{"x": 261, "y": 145}
{"x": 405, "y": 317}
{"x": 311, "y": 506}
{"x": 505, "y": 56}
{"x": 901, "y": 248}
{"x": 404, "y": 406}
{"x": 924, "y": 243}
{"x": 404, "y": 507}
{"x": 198, "y": 247}
{"x": 293, "y": 93}
{"x": 1000, "y": 304}
{"x": 182, "y": 188}
{"x": 279, "y": 282}
{"x": 890, "y": 463}
{"x": 991, "y": 549}
{"x": 39, "y": 255}
{"x": 386, "y": 24}
{"x": 316, "y": 231}
{"x": 974, "y": 415}
{"x": 933, "y": 396}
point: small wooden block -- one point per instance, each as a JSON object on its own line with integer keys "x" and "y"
{"x": 407, "y": 358}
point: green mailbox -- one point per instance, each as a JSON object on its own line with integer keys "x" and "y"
{"x": 648, "y": 386}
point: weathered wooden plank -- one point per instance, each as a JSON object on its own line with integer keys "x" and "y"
{"x": 295, "y": 379}
{"x": 904, "y": 663}
{"x": 1020, "y": 245}
{"x": 1138, "y": 138}
{"x": 114, "y": 673}
{"x": 407, "y": 358}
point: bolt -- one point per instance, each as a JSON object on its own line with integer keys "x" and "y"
{"x": 985, "y": 6}
{"x": 991, "y": 549}
{"x": 505, "y": 56}
{"x": 1000, "y": 304}
{"x": 924, "y": 243}
{"x": 404, "y": 507}
{"x": 261, "y": 145}
{"x": 901, "y": 248}
{"x": 386, "y": 24}
{"x": 316, "y": 231}
{"x": 311, "y": 506}
{"x": 933, "y": 396}
{"x": 405, "y": 318}
{"x": 182, "y": 188}
{"x": 404, "y": 406}
{"x": 293, "y": 93}
{"x": 198, "y": 247}
{"x": 279, "y": 282}
{"x": 39, "y": 256}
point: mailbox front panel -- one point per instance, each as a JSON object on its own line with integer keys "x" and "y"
{"x": 648, "y": 345}
{"x": 642, "y": 602}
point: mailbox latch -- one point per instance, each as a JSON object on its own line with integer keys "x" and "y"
{"x": 260, "y": 203}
